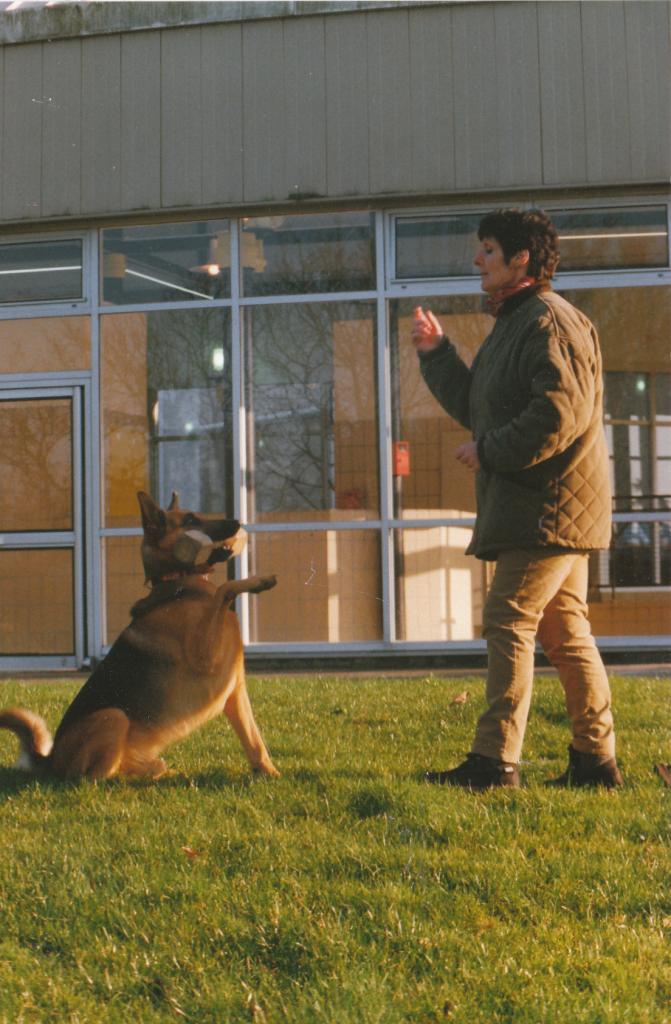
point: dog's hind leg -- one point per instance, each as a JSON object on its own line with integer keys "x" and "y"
{"x": 238, "y": 710}
{"x": 94, "y": 747}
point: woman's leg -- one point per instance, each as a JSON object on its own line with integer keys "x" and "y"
{"x": 566, "y": 637}
{"x": 524, "y": 583}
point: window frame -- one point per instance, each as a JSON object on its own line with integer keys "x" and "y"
{"x": 55, "y": 307}
{"x": 409, "y": 286}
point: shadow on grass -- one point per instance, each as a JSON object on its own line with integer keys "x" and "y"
{"x": 13, "y": 782}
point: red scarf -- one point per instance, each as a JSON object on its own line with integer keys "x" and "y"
{"x": 497, "y": 300}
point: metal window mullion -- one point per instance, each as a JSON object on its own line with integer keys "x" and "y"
{"x": 96, "y": 569}
{"x": 38, "y": 540}
{"x": 317, "y": 297}
{"x": 240, "y": 504}
{"x": 384, "y": 439}
{"x": 77, "y": 442}
{"x": 165, "y": 307}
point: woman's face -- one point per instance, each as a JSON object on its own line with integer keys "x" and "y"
{"x": 495, "y": 273}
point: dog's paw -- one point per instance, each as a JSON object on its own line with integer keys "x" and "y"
{"x": 267, "y": 769}
{"x": 264, "y": 583}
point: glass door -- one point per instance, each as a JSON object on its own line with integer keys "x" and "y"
{"x": 42, "y": 621}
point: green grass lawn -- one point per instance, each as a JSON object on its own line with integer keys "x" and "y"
{"x": 347, "y": 891}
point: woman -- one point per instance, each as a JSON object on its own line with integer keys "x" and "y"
{"x": 533, "y": 402}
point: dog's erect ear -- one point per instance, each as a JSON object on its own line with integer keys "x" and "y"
{"x": 153, "y": 517}
{"x": 174, "y": 501}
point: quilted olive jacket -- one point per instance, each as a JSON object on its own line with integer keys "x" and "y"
{"x": 533, "y": 400}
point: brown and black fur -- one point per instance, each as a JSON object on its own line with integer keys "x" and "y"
{"x": 176, "y": 665}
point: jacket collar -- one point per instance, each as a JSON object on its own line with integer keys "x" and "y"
{"x": 519, "y": 297}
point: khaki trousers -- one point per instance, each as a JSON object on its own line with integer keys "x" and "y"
{"x": 541, "y": 593}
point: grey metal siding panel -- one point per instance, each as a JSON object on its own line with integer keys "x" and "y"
{"x": 475, "y": 101}
{"x": 222, "y": 113}
{"x": 389, "y": 110}
{"x": 305, "y": 107}
{"x": 431, "y": 139}
{"x": 414, "y": 100}
{"x": 263, "y": 111}
{"x": 23, "y": 102}
{"x": 518, "y": 135}
{"x": 61, "y": 128}
{"x": 647, "y": 34}
{"x": 562, "y": 94}
{"x": 606, "y": 101}
{"x": 101, "y": 125}
{"x": 181, "y": 118}
{"x": 141, "y": 121}
{"x": 497, "y": 89}
{"x": 346, "y": 107}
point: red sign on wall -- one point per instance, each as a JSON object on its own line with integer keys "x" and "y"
{"x": 401, "y": 458}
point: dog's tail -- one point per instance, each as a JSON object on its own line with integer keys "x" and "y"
{"x": 33, "y": 734}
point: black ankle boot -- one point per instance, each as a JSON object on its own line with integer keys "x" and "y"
{"x": 477, "y": 772}
{"x": 588, "y": 770}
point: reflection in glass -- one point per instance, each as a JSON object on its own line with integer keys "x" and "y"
{"x": 663, "y": 397}
{"x": 329, "y": 586}
{"x": 36, "y": 464}
{"x": 292, "y": 255}
{"x": 124, "y": 582}
{"x": 608, "y": 239}
{"x": 439, "y": 589}
{"x": 45, "y": 344}
{"x": 627, "y": 396}
{"x": 41, "y": 271}
{"x": 436, "y": 246}
{"x": 436, "y": 483}
{"x": 167, "y": 418}
{"x": 36, "y": 602}
{"x": 166, "y": 262}
{"x": 312, "y": 427}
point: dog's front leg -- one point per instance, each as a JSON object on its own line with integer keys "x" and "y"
{"x": 228, "y": 591}
{"x": 238, "y": 710}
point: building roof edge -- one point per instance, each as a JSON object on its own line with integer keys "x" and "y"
{"x": 36, "y": 22}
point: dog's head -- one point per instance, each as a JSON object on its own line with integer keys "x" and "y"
{"x": 178, "y": 542}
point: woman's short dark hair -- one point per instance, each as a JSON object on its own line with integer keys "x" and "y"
{"x": 516, "y": 230}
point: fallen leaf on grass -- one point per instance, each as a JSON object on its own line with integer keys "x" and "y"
{"x": 664, "y": 772}
{"x": 461, "y": 698}
{"x": 191, "y": 854}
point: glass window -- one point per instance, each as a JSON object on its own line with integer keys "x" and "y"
{"x": 441, "y": 246}
{"x": 41, "y": 271}
{"x": 291, "y": 255}
{"x": 45, "y": 344}
{"x": 166, "y": 262}
{"x": 634, "y": 327}
{"x": 663, "y": 397}
{"x": 312, "y": 411}
{"x": 36, "y": 464}
{"x": 439, "y": 589}
{"x": 627, "y": 396}
{"x": 431, "y": 482}
{"x": 609, "y": 239}
{"x": 167, "y": 410}
{"x": 124, "y": 581}
{"x": 36, "y": 602}
{"x": 436, "y": 246}
{"x": 329, "y": 586}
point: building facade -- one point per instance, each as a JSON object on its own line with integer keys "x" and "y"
{"x": 215, "y": 221}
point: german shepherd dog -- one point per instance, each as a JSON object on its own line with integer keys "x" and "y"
{"x": 176, "y": 665}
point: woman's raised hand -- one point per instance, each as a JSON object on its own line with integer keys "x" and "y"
{"x": 426, "y": 330}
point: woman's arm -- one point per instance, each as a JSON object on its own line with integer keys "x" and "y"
{"x": 446, "y": 375}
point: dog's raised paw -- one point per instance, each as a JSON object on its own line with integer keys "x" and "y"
{"x": 265, "y": 583}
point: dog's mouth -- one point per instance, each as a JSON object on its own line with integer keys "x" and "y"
{"x": 196, "y": 553}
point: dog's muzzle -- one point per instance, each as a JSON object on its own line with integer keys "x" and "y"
{"x": 193, "y": 548}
